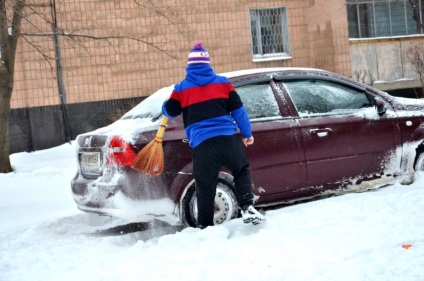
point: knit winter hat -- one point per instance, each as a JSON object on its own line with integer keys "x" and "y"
{"x": 198, "y": 54}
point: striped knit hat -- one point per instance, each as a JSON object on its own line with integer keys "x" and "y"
{"x": 198, "y": 54}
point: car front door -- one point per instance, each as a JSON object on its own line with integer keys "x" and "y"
{"x": 344, "y": 137}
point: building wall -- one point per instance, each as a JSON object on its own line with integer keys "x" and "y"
{"x": 121, "y": 68}
{"x": 327, "y": 31}
{"x": 384, "y": 62}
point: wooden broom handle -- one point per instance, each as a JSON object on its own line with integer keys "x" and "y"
{"x": 161, "y": 130}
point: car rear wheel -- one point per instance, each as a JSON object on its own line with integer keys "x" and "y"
{"x": 226, "y": 207}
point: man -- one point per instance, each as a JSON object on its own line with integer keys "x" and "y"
{"x": 209, "y": 105}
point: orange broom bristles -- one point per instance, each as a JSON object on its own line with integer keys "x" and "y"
{"x": 150, "y": 159}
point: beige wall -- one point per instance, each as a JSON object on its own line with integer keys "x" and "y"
{"x": 328, "y": 36}
{"x": 384, "y": 62}
{"x": 96, "y": 70}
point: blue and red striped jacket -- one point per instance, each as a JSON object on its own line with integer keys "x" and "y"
{"x": 209, "y": 105}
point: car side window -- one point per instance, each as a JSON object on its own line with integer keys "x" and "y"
{"x": 259, "y": 100}
{"x": 325, "y": 97}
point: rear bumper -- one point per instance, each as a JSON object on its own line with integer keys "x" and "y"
{"x": 108, "y": 198}
{"x": 93, "y": 193}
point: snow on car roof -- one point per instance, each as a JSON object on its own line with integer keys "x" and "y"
{"x": 262, "y": 70}
{"x": 145, "y": 115}
{"x": 151, "y": 106}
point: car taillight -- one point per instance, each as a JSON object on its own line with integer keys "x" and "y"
{"x": 120, "y": 152}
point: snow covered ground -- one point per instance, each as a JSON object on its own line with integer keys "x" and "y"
{"x": 356, "y": 237}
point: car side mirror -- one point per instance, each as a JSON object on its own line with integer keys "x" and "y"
{"x": 381, "y": 108}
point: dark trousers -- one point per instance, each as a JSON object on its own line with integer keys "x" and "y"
{"x": 208, "y": 157}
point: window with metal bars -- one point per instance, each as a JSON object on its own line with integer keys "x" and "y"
{"x": 270, "y": 37}
{"x": 385, "y": 18}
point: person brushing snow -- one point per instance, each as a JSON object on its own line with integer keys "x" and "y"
{"x": 209, "y": 105}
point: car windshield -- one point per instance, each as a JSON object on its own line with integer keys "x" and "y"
{"x": 151, "y": 107}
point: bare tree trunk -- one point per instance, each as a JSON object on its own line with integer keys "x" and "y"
{"x": 5, "y": 96}
{"x": 9, "y": 41}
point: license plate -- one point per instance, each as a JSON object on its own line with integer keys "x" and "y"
{"x": 90, "y": 163}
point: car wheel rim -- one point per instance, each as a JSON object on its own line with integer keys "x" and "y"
{"x": 223, "y": 206}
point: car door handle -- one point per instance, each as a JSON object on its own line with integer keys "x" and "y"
{"x": 321, "y": 132}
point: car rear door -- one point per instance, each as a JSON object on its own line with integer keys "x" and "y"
{"x": 276, "y": 158}
{"x": 345, "y": 139}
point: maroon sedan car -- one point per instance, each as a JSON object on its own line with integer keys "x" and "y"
{"x": 316, "y": 134}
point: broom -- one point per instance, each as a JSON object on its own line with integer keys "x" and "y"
{"x": 150, "y": 160}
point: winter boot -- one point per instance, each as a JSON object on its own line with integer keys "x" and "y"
{"x": 251, "y": 215}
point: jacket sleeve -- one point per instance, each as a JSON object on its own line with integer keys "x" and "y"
{"x": 238, "y": 112}
{"x": 172, "y": 107}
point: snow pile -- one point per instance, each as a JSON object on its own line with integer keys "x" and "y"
{"x": 361, "y": 236}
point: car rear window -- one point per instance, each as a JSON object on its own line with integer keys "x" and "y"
{"x": 151, "y": 107}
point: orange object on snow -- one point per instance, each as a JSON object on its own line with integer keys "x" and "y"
{"x": 406, "y": 246}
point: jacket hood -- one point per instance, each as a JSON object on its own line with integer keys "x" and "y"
{"x": 200, "y": 74}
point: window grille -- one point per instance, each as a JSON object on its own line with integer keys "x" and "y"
{"x": 269, "y": 32}
{"x": 384, "y": 18}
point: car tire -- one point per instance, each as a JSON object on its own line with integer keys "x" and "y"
{"x": 419, "y": 158}
{"x": 226, "y": 206}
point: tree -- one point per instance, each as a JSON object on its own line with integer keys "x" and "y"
{"x": 9, "y": 34}
{"x": 415, "y": 56}
{"x": 415, "y": 5}
{"x": 13, "y": 12}
{"x": 415, "y": 52}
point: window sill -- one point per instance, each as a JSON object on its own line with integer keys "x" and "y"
{"x": 265, "y": 59}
